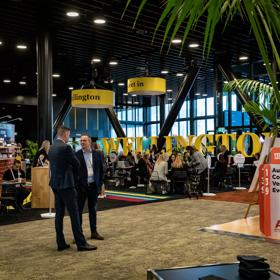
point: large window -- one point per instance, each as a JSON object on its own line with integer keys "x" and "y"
{"x": 210, "y": 106}
{"x": 200, "y": 107}
{"x": 200, "y": 126}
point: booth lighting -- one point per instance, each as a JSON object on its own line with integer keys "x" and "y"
{"x": 176, "y": 41}
{"x": 16, "y": 119}
{"x": 7, "y": 116}
{"x": 6, "y": 81}
{"x": 194, "y": 45}
{"x": 56, "y": 75}
{"x": 243, "y": 57}
{"x": 21, "y": 47}
{"x": 72, "y": 14}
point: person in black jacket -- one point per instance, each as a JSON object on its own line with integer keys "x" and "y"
{"x": 17, "y": 175}
{"x": 64, "y": 168}
{"x": 90, "y": 181}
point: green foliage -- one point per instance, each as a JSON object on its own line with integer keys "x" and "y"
{"x": 267, "y": 114}
{"x": 31, "y": 149}
{"x": 262, "y": 15}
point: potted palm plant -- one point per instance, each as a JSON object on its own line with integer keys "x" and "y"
{"x": 263, "y": 17}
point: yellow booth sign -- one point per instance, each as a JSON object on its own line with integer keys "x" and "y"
{"x": 93, "y": 98}
{"x": 146, "y": 86}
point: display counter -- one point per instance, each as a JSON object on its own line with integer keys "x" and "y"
{"x": 40, "y": 188}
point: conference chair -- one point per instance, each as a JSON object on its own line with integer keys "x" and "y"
{"x": 8, "y": 198}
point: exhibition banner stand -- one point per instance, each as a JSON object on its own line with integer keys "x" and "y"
{"x": 269, "y": 195}
{"x": 208, "y": 179}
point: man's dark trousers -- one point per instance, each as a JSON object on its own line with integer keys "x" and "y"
{"x": 67, "y": 198}
{"x": 91, "y": 194}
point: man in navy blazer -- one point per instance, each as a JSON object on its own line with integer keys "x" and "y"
{"x": 90, "y": 181}
{"x": 64, "y": 167}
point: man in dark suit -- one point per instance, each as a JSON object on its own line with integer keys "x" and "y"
{"x": 64, "y": 167}
{"x": 90, "y": 181}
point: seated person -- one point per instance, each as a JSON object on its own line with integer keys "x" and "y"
{"x": 140, "y": 170}
{"x": 149, "y": 164}
{"x": 171, "y": 160}
{"x": 17, "y": 175}
{"x": 177, "y": 163}
{"x": 130, "y": 159}
{"x": 159, "y": 174}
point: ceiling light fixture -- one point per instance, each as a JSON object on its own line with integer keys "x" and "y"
{"x": 6, "y": 81}
{"x": 56, "y": 75}
{"x": 113, "y": 62}
{"x": 225, "y": 82}
{"x": 176, "y": 41}
{"x": 169, "y": 90}
{"x": 125, "y": 94}
{"x": 54, "y": 94}
{"x": 194, "y": 45}
{"x": 95, "y": 60}
{"x": 99, "y": 20}
{"x": 134, "y": 95}
{"x": 197, "y": 93}
{"x": 111, "y": 81}
{"x": 121, "y": 84}
{"x": 1, "y": 42}
{"x": 22, "y": 83}
{"x": 70, "y": 88}
{"x": 106, "y": 82}
{"x": 21, "y": 47}
{"x": 164, "y": 72}
{"x": 243, "y": 57}
{"x": 136, "y": 102}
{"x": 204, "y": 94}
{"x": 179, "y": 74}
{"x": 72, "y": 14}
{"x": 170, "y": 98}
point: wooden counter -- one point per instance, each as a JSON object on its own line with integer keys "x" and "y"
{"x": 40, "y": 188}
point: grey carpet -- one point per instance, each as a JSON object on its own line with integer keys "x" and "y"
{"x": 138, "y": 237}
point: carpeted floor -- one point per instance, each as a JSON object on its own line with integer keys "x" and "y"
{"x": 137, "y": 238}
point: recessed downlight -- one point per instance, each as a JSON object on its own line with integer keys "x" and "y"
{"x": 204, "y": 94}
{"x": 164, "y": 72}
{"x": 243, "y": 57}
{"x": 22, "y": 82}
{"x": 99, "y": 20}
{"x": 170, "y": 98}
{"x": 113, "y": 62}
{"x": 125, "y": 94}
{"x": 95, "y": 60}
{"x": 1, "y": 43}
{"x": 193, "y": 45}
{"x": 21, "y": 47}
{"x": 72, "y": 14}
{"x": 121, "y": 84}
{"x": 134, "y": 95}
{"x": 6, "y": 81}
{"x": 169, "y": 90}
{"x": 106, "y": 82}
{"x": 56, "y": 75}
{"x": 197, "y": 94}
{"x": 111, "y": 81}
{"x": 179, "y": 74}
{"x": 54, "y": 94}
{"x": 70, "y": 88}
{"x": 176, "y": 41}
{"x": 225, "y": 82}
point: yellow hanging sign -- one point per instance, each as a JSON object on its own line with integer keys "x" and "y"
{"x": 146, "y": 86}
{"x": 93, "y": 98}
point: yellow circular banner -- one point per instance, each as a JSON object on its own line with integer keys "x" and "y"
{"x": 93, "y": 98}
{"x": 146, "y": 86}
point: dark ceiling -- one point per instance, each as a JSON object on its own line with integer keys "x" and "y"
{"x": 77, "y": 40}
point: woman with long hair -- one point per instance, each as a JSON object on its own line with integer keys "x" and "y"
{"x": 41, "y": 157}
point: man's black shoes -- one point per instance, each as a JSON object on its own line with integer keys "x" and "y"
{"x": 62, "y": 248}
{"x": 87, "y": 247}
{"x": 96, "y": 235}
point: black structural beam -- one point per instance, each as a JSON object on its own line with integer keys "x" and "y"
{"x": 65, "y": 108}
{"x": 243, "y": 97}
{"x": 44, "y": 78}
{"x": 115, "y": 123}
{"x": 183, "y": 92}
{"x": 161, "y": 109}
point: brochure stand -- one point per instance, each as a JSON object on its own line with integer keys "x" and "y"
{"x": 208, "y": 179}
